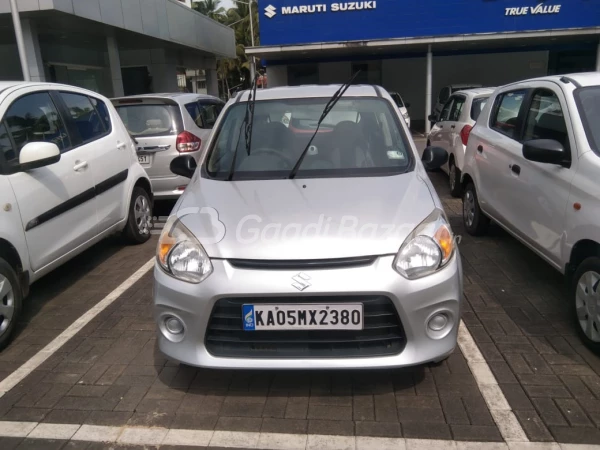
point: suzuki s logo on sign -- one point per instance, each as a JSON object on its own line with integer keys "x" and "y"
{"x": 271, "y": 11}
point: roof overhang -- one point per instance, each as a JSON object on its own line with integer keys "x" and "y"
{"x": 439, "y": 44}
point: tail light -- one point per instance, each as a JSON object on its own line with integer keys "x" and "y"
{"x": 188, "y": 142}
{"x": 464, "y": 134}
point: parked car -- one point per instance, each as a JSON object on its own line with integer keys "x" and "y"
{"x": 402, "y": 106}
{"x": 165, "y": 126}
{"x": 532, "y": 165}
{"x": 69, "y": 176}
{"x": 445, "y": 94}
{"x": 290, "y": 252}
{"x": 451, "y": 131}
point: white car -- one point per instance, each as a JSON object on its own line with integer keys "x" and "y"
{"x": 451, "y": 132}
{"x": 402, "y": 106}
{"x": 69, "y": 176}
{"x": 445, "y": 94}
{"x": 533, "y": 165}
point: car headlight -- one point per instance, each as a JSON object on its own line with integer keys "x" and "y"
{"x": 427, "y": 249}
{"x": 181, "y": 255}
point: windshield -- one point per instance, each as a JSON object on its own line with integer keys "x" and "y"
{"x": 588, "y": 103}
{"x": 359, "y": 137}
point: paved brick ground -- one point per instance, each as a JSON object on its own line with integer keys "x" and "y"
{"x": 112, "y": 374}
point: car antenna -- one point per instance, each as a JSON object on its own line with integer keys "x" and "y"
{"x": 247, "y": 123}
{"x": 328, "y": 107}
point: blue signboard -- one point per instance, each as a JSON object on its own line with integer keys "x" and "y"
{"x": 285, "y": 22}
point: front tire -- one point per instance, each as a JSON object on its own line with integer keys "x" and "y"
{"x": 585, "y": 302}
{"x": 11, "y": 301}
{"x": 454, "y": 179}
{"x": 476, "y": 223}
{"x": 139, "y": 222}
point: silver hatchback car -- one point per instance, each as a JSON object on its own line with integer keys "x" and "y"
{"x": 165, "y": 126}
{"x": 310, "y": 236}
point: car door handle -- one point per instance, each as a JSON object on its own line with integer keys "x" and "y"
{"x": 155, "y": 148}
{"x": 453, "y": 126}
{"x": 440, "y": 126}
{"x": 515, "y": 168}
{"x": 80, "y": 165}
{"x": 121, "y": 146}
{"x": 480, "y": 148}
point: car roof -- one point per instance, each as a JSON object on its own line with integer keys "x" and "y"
{"x": 313, "y": 91}
{"x": 583, "y": 79}
{"x": 476, "y": 92}
{"x": 179, "y": 97}
{"x": 464, "y": 85}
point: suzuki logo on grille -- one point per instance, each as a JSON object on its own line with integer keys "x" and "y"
{"x": 300, "y": 281}
{"x": 270, "y": 11}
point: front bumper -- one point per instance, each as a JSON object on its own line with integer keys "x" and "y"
{"x": 416, "y": 302}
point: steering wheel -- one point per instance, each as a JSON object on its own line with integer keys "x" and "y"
{"x": 272, "y": 152}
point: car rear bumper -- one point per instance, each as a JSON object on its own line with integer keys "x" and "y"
{"x": 168, "y": 187}
{"x": 415, "y": 302}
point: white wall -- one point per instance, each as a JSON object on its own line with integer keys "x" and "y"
{"x": 407, "y": 76}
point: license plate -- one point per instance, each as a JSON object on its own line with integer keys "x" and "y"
{"x": 144, "y": 159}
{"x": 303, "y": 317}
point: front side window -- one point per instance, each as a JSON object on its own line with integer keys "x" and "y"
{"x": 456, "y": 110}
{"x": 86, "y": 118}
{"x": 34, "y": 118}
{"x": 360, "y": 137}
{"x": 545, "y": 119}
{"x": 506, "y": 114}
{"x": 204, "y": 114}
{"x": 147, "y": 119}
{"x": 588, "y": 104}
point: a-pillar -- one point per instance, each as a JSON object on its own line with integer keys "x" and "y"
{"x": 32, "y": 50}
{"x": 114, "y": 61}
{"x": 428, "y": 88}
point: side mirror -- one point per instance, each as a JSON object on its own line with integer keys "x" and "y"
{"x": 546, "y": 151}
{"x": 432, "y": 118}
{"x": 434, "y": 157}
{"x": 184, "y": 165}
{"x": 38, "y": 154}
{"x": 407, "y": 105}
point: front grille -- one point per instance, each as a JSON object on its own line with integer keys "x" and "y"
{"x": 382, "y": 334}
{"x": 302, "y": 264}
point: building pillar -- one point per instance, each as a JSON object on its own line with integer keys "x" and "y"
{"x": 428, "y": 88}
{"x": 114, "y": 61}
{"x": 212, "y": 83}
{"x": 32, "y": 51}
{"x": 598, "y": 58}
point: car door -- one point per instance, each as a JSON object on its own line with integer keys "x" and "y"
{"x": 437, "y": 136}
{"x": 540, "y": 191}
{"x": 56, "y": 202}
{"x": 498, "y": 143}
{"x": 104, "y": 148}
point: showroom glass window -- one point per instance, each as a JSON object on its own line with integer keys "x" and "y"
{"x": 505, "y": 117}
{"x": 545, "y": 119}
{"x": 86, "y": 118}
{"x": 34, "y": 118}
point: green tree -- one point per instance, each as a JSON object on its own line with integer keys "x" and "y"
{"x": 210, "y": 8}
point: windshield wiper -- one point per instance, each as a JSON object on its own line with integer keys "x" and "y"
{"x": 247, "y": 124}
{"x": 328, "y": 107}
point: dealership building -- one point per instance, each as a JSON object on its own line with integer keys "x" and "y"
{"x": 114, "y": 47}
{"x": 418, "y": 47}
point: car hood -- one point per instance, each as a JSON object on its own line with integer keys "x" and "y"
{"x": 304, "y": 218}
